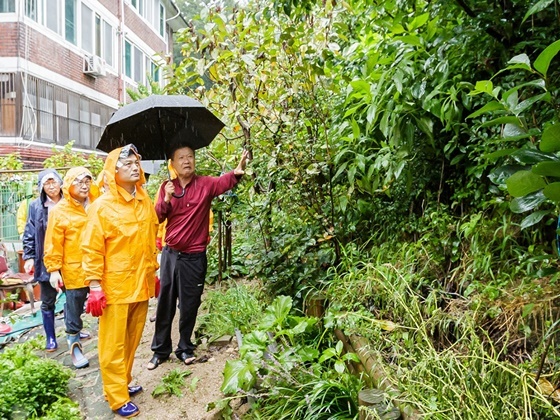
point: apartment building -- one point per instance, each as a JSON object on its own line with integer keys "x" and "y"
{"x": 65, "y": 66}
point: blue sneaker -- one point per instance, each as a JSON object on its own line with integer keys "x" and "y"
{"x": 135, "y": 389}
{"x": 128, "y": 410}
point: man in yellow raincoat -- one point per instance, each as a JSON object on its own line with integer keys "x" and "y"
{"x": 63, "y": 257}
{"x": 119, "y": 260}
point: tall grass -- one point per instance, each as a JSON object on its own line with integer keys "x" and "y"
{"x": 236, "y": 306}
{"x": 439, "y": 356}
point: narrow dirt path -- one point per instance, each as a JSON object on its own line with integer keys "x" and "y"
{"x": 202, "y": 386}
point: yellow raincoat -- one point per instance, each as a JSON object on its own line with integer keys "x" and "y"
{"x": 64, "y": 234}
{"x": 119, "y": 241}
{"x": 119, "y": 250}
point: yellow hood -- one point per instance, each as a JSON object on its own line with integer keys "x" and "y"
{"x": 110, "y": 167}
{"x": 71, "y": 176}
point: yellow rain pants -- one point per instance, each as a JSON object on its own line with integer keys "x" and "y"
{"x": 120, "y": 331}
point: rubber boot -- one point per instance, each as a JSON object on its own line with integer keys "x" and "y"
{"x": 78, "y": 359}
{"x": 48, "y": 325}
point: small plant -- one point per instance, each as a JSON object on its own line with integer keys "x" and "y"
{"x": 193, "y": 384}
{"x": 238, "y": 307}
{"x": 172, "y": 383}
{"x": 290, "y": 369}
{"x": 33, "y": 386}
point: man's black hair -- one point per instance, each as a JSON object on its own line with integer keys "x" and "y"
{"x": 176, "y": 146}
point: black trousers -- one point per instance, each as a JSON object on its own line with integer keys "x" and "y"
{"x": 182, "y": 278}
{"x": 48, "y": 296}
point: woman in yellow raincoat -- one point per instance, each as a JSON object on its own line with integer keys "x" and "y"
{"x": 63, "y": 258}
{"x": 119, "y": 260}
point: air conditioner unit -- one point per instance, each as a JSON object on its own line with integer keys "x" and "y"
{"x": 94, "y": 65}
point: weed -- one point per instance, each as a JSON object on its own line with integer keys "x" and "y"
{"x": 172, "y": 383}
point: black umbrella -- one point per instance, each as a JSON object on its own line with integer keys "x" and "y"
{"x": 157, "y": 123}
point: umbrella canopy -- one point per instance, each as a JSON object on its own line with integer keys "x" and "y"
{"x": 156, "y": 123}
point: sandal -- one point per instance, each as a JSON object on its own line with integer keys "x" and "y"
{"x": 186, "y": 358}
{"x": 155, "y": 362}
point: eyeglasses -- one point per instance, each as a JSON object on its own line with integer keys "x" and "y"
{"x": 83, "y": 182}
{"x": 51, "y": 183}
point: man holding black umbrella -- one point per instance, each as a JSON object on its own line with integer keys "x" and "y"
{"x": 185, "y": 203}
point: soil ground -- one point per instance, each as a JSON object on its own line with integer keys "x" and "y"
{"x": 202, "y": 386}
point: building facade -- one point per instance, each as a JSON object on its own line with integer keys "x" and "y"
{"x": 65, "y": 66}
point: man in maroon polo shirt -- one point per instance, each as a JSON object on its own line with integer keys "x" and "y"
{"x": 185, "y": 202}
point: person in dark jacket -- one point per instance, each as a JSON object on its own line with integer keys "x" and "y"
{"x": 50, "y": 184}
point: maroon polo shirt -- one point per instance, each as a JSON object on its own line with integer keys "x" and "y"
{"x": 188, "y": 216}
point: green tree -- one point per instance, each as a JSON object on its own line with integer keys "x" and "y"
{"x": 66, "y": 157}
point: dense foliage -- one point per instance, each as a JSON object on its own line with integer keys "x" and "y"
{"x": 33, "y": 386}
{"x": 418, "y": 135}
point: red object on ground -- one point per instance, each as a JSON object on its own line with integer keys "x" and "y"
{"x": 5, "y": 329}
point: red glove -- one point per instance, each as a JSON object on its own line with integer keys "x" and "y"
{"x": 96, "y": 302}
{"x": 158, "y": 286}
{"x": 158, "y": 243}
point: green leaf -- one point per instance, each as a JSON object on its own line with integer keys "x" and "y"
{"x": 339, "y": 366}
{"x": 522, "y": 59}
{"x": 410, "y": 39}
{"x": 552, "y": 191}
{"x": 550, "y": 141}
{"x": 238, "y": 374}
{"x": 501, "y": 120}
{"x": 500, "y": 174}
{"x": 499, "y": 153}
{"x": 526, "y": 203}
{"x": 548, "y": 168}
{"x": 533, "y": 218}
{"x": 532, "y": 156}
{"x": 489, "y": 107}
{"x": 513, "y": 130}
{"x": 542, "y": 62}
{"x": 537, "y": 7}
{"x": 524, "y": 182}
{"x": 530, "y": 102}
{"x": 276, "y": 312}
{"x": 418, "y": 21}
{"x": 485, "y": 86}
{"x": 527, "y": 309}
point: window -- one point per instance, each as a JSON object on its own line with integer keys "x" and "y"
{"x": 128, "y": 59}
{"x": 108, "y": 43}
{"x": 53, "y": 15}
{"x": 138, "y": 65}
{"x": 161, "y": 19}
{"x": 154, "y": 72}
{"x": 46, "y": 128}
{"x": 7, "y": 6}
{"x": 87, "y": 29}
{"x": 98, "y": 36}
{"x": 31, "y": 9}
{"x": 50, "y": 113}
{"x": 153, "y": 11}
{"x": 70, "y": 20}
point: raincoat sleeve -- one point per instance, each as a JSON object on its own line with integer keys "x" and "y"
{"x": 93, "y": 245}
{"x": 54, "y": 242}
{"x": 21, "y": 217}
{"x": 29, "y": 235}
